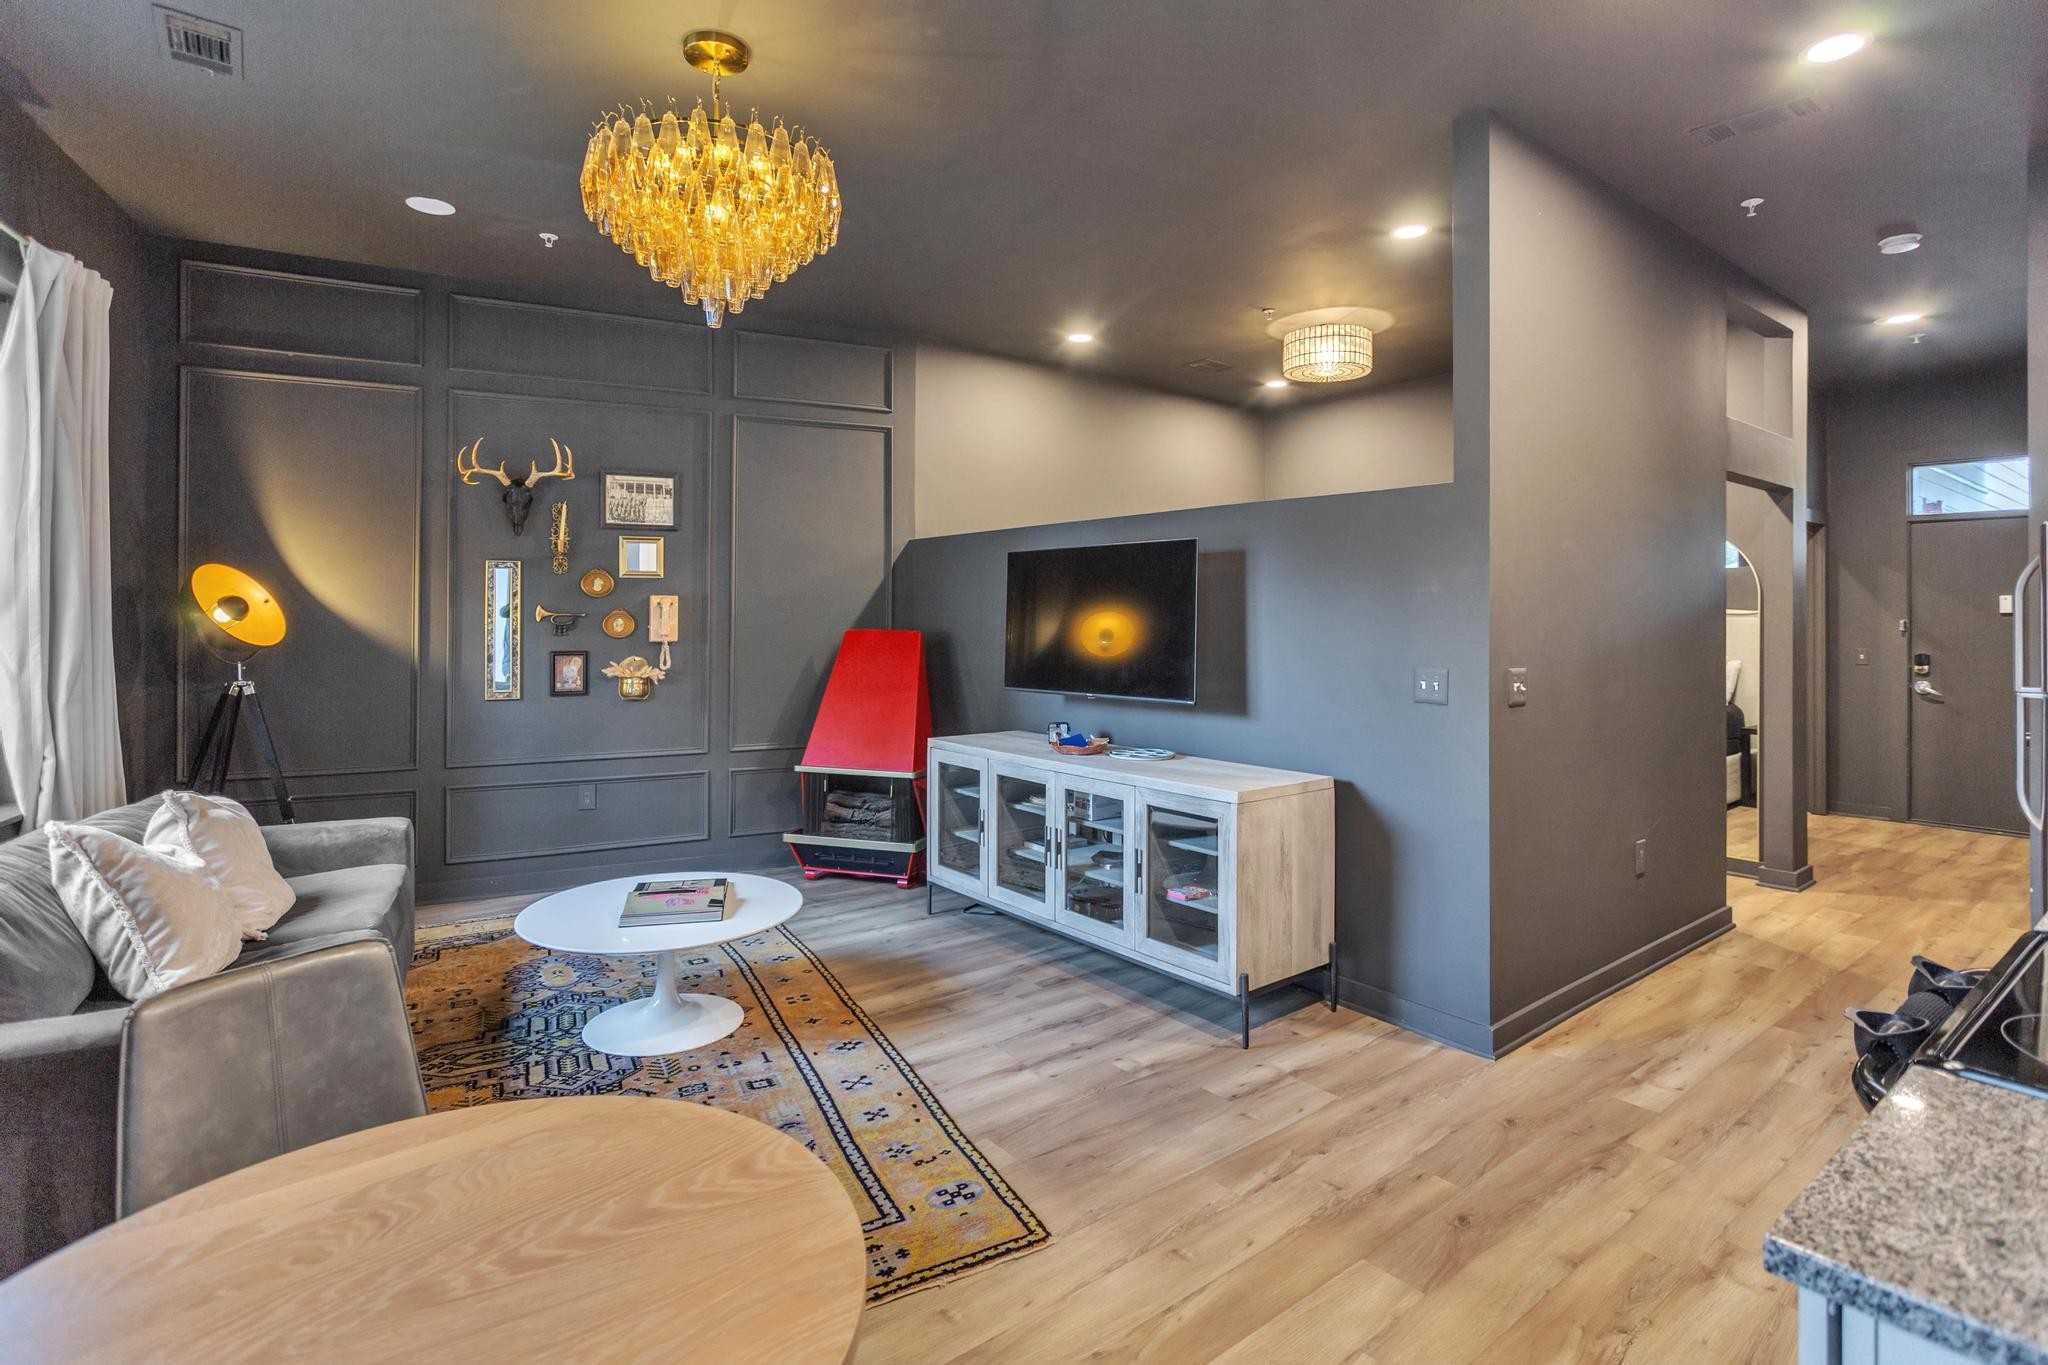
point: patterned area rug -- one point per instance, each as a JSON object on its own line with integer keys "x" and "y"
{"x": 495, "y": 1018}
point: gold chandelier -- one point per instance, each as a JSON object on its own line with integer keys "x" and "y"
{"x": 711, "y": 210}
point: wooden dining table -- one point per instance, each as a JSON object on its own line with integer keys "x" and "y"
{"x": 607, "y": 1228}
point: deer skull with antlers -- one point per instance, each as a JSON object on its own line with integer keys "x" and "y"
{"x": 518, "y": 493}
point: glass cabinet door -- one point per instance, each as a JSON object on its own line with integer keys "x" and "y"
{"x": 958, "y": 830}
{"x": 1094, "y": 860}
{"x": 1020, "y": 827}
{"x": 1185, "y": 915}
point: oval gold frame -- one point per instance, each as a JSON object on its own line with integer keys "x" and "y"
{"x": 619, "y": 623}
{"x": 597, "y": 583}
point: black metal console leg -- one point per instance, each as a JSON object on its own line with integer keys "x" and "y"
{"x": 1330, "y": 981}
{"x": 928, "y": 894}
{"x": 1244, "y": 1011}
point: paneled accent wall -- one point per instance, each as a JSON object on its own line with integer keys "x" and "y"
{"x": 320, "y": 408}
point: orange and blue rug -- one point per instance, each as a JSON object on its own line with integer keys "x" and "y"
{"x": 496, "y": 1018}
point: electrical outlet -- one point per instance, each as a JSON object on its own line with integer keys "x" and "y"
{"x": 1518, "y": 687}
{"x": 1642, "y": 857}
{"x": 586, "y": 796}
{"x": 1433, "y": 686}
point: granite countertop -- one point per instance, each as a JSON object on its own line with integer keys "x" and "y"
{"x": 1934, "y": 1217}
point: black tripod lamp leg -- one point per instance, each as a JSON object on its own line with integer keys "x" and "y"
{"x": 217, "y": 781}
{"x": 203, "y": 755}
{"x": 267, "y": 749}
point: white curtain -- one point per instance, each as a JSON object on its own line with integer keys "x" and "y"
{"x": 60, "y": 731}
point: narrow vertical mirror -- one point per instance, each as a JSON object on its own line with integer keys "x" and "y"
{"x": 1744, "y": 687}
{"x": 501, "y": 630}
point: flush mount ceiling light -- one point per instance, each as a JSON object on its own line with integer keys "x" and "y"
{"x": 1833, "y": 49}
{"x": 1276, "y": 384}
{"x": 718, "y": 212}
{"x": 438, "y": 208}
{"x": 1899, "y": 243}
{"x": 1408, "y": 232}
{"x": 1328, "y": 345}
{"x": 1899, "y": 319}
{"x": 1080, "y": 338}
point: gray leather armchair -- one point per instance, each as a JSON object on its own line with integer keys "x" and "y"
{"x": 60, "y": 1021}
{"x": 230, "y": 1071}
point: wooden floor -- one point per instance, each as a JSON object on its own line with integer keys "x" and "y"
{"x": 1346, "y": 1191}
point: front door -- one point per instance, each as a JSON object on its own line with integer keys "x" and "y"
{"x": 1960, "y": 706}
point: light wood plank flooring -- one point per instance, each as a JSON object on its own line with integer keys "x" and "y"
{"x": 1349, "y": 1192}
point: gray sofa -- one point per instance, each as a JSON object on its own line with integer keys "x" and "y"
{"x": 60, "y": 1020}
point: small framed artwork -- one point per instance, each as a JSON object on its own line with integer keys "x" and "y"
{"x": 641, "y": 557}
{"x": 569, "y": 673}
{"x": 645, "y": 502}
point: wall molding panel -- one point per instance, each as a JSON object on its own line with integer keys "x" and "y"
{"x": 292, "y": 524}
{"x": 539, "y": 341}
{"x": 275, "y": 312}
{"x": 304, "y": 466}
{"x": 823, "y": 374}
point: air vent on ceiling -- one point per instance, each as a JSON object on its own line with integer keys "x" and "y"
{"x": 200, "y": 42}
{"x": 1759, "y": 120}
{"x": 1208, "y": 366}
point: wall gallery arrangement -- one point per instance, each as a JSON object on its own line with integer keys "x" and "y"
{"x": 628, "y": 499}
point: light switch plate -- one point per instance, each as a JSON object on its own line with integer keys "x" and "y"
{"x": 1433, "y": 686}
{"x": 2005, "y": 604}
{"x": 1863, "y": 658}
{"x": 586, "y": 796}
{"x": 1518, "y": 687}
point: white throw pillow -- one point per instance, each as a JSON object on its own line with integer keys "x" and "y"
{"x": 223, "y": 835}
{"x": 152, "y": 916}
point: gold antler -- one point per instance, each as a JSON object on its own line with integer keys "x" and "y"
{"x": 466, "y": 470}
{"x": 565, "y": 465}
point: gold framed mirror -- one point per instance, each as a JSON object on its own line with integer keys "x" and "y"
{"x": 501, "y": 630}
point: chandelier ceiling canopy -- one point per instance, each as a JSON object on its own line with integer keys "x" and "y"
{"x": 706, "y": 206}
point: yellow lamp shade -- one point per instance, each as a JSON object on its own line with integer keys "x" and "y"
{"x": 238, "y": 604}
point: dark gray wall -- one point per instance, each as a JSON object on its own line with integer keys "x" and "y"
{"x": 1314, "y": 612}
{"x": 320, "y": 409}
{"x": 44, "y": 194}
{"x": 1606, "y": 398}
{"x": 1871, "y": 435}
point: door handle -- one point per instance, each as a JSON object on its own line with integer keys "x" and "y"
{"x": 1924, "y": 688}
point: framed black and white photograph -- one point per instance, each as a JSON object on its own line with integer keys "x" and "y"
{"x": 569, "y": 673}
{"x": 639, "y": 501}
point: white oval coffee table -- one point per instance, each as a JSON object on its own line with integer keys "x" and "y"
{"x": 585, "y": 919}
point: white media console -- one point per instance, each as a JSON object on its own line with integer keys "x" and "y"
{"x": 1221, "y": 874}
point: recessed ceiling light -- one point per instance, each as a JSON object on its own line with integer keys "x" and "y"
{"x": 1276, "y": 383}
{"x": 1080, "y": 338}
{"x": 1899, "y": 319}
{"x": 1837, "y": 47}
{"x": 1408, "y": 232}
{"x": 439, "y": 208}
{"x": 1898, "y": 243}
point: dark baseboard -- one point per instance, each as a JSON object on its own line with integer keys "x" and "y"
{"x": 1553, "y": 1009}
{"x": 1780, "y": 879}
{"x": 1867, "y": 812}
{"x": 1466, "y": 1035}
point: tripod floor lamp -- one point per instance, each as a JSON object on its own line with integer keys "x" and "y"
{"x": 238, "y": 618}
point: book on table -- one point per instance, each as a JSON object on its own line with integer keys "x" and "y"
{"x": 696, "y": 900}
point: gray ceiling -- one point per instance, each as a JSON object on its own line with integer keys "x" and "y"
{"x": 1156, "y": 172}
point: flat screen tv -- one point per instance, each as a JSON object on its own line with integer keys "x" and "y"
{"x": 1103, "y": 621}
